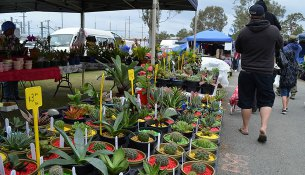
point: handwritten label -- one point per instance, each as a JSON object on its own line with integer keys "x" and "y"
{"x": 33, "y": 97}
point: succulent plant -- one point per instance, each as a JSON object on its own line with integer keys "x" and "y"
{"x": 188, "y": 117}
{"x": 143, "y": 137}
{"x": 98, "y": 146}
{"x": 192, "y": 173}
{"x": 60, "y": 124}
{"x": 204, "y": 143}
{"x": 162, "y": 160}
{"x": 176, "y": 137}
{"x": 182, "y": 126}
{"x": 199, "y": 167}
{"x": 82, "y": 126}
{"x": 201, "y": 154}
{"x": 131, "y": 153}
{"x": 170, "y": 148}
{"x": 56, "y": 170}
{"x": 16, "y": 163}
{"x": 18, "y": 141}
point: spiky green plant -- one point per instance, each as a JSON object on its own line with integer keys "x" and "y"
{"x": 16, "y": 163}
{"x": 17, "y": 141}
{"x": 151, "y": 169}
{"x": 131, "y": 153}
{"x": 204, "y": 143}
{"x": 17, "y": 124}
{"x": 99, "y": 146}
{"x": 162, "y": 160}
{"x": 143, "y": 137}
{"x": 182, "y": 127}
{"x": 198, "y": 167}
{"x": 56, "y": 170}
{"x": 117, "y": 164}
{"x": 201, "y": 154}
{"x": 176, "y": 137}
{"x": 170, "y": 148}
{"x": 187, "y": 117}
{"x": 173, "y": 98}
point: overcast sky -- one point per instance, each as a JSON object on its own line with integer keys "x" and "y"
{"x": 117, "y": 20}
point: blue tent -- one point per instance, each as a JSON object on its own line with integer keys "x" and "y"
{"x": 210, "y": 36}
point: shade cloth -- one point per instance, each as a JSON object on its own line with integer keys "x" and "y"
{"x": 31, "y": 74}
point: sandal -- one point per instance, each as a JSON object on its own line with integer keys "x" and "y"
{"x": 262, "y": 138}
{"x": 243, "y": 132}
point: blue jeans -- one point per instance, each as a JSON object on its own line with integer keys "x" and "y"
{"x": 10, "y": 90}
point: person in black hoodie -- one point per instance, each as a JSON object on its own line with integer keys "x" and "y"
{"x": 269, "y": 16}
{"x": 257, "y": 42}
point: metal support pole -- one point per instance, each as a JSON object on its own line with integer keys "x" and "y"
{"x": 153, "y": 32}
{"x": 195, "y": 31}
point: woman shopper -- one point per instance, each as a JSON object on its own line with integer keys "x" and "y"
{"x": 288, "y": 77}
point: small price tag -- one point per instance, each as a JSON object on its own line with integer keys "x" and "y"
{"x": 131, "y": 74}
{"x": 33, "y": 97}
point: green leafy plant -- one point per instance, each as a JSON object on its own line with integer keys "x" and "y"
{"x": 162, "y": 160}
{"x": 198, "y": 167}
{"x": 220, "y": 94}
{"x": 75, "y": 99}
{"x": 151, "y": 169}
{"x": 81, "y": 126}
{"x": 182, "y": 127}
{"x": 209, "y": 79}
{"x": 17, "y": 141}
{"x": 89, "y": 90}
{"x": 117, "y": 128}
{"x": 131, "y": 153}
{"x": 203, "y": 143}
{"x": 16, "y": 124}
{"x": 56, "y": 170}
{"x": 140, "y": 52}
{"x": 176, "y": 136}
{"x": 192, "y": 173}
{"x": 117, "y": 163}
{"x": 16, "y": 163}
{"x": 170, "y": 148}
{"x": 187, "y": 116}
{"x": 45, "y": 147}
{"x": 163, "y": 116}
{"x": 195, "y": 78}
{"x": 79, "y": 150}
{"x": 119, "y": 73}
{"x": 60, "y": 124}
{"x": 174, "y": 98}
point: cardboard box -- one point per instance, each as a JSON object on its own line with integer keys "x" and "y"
{"x": 8, "y": 106}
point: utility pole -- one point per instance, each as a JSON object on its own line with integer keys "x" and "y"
{"x": 41, "y": 29}
{"x": 19, "y": 23}
{"x": 29, "y": 28}
{"x": 129, "y": 28}
{"x": 94, "y": 22}
{"x": 12, "y": 19}
{"x": 142, "y": 33}
{"x": 62, "y": 20}
{"x": 48, "y": 26}
{"x": 23, "y": 21}
{"x": 110, "y": 26}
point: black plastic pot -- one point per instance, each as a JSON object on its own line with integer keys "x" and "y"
{"x": 190, "y": 86}
{"x": 207, "y": 89}
{"x": 177, "y": 83}
{"x": 163, "y": 82}
{"x": 133, "y": 128}
{"x": 188, "y": 134}
{"x": 152, "y": 128}
{"x": 87, "y": 169}
{"x": 143, "y": 146}
{"x": 63, "y": 63}
{"x": 164, "y": 130}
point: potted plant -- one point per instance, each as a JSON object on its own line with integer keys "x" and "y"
{"x": 173, "y": 98}
{"x": 74, "y": 114}
{"x": 140, "y": 53}
{"x": 192, "y": 83}
{"x": 207, "y": 86}
{"x": 16, "y": 124}
{"x": 17, "y": 142}
{"x": 43, "y": 120}
{"x": 140, "y": 140}
{"x": 171, "y": 149}
{"x": 98, "y": 145}
{"x": 166, "y": 162}
{"x": 205, "y": 144}
{"x": 201, "y": 155}
{"x": 61, "y": 125}
{"x": 210, "y": 122}
{"x": 206, "y": 134}
{"x": 183, "y": 127}
{"x": 90, "y": 132}
{"x": 150, "y": 130}
{"x": 197, "y": 168}
{"x": 45, "y": 147}
{"x": 151, "y": 169}
{"x": 83, "y": 163}
{"x": 134, "y": 157}
{"x": 117, "y": 164}
{"x": 177, "y": 138}
{"x": 21, "y": 166}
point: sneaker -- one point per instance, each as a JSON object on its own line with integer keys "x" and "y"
{"x": 284, "y": 112}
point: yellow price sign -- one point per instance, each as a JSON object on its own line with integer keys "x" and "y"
{"x": 33, "y": 97}
{"x": 156, "y": 73}
{"x": 131, "y": 74}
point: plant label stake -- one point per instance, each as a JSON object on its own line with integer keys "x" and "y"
{"x": 159, "y": 141}
{"x": 110, "y": 94}
{"x": 42, "y": 170}
{"x": 101, "y": 102}
{"x": 33, "y": 151}
{"x": 121, "y": 173}
{"x": 197, "y": 125}
{"x": 182, "y": 61}
{"x": 86, "y": 136}
{"x": 138, "y": 126}
{"x": 156, "y": 111}
{"x": 139, "y": 100}
{"x": 73, "y": 171}
{"x": 52, "y": 124}
{"x": 190, "y": 148}
{"x": 1, "y": 166}
{"x": 34, "y": 101}
{"x": 156, "y": 73}
{"x": 173, "y": 171}
{"x": 148, "y": 151}
{"x": 27, "y": 129}
{"x": 8, "y": 131}
{"x": 178, "y": 62}
{"x": 122, "y": 100}
{"x": 104, "y": 110}
{"x": 61, "y": 141}
{"x": 7, "y": 122}
{"x": 131, "y": 78}
{"x": 169, "y": 63}
{"x": 116, "y": 143}
{"x": 13, "y": 172}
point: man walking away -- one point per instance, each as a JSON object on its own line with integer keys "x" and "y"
{"x": 257, "y": 42}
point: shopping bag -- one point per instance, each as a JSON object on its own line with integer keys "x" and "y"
{"x": 276, "y": 83}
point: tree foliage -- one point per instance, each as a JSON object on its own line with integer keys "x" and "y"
{"x": 291, "y": 25}
{"x": 212, "y": 17}
{"x": 241, "y": 9}
{"x": 163, "y": 35}
{"x": 183, "y": 33}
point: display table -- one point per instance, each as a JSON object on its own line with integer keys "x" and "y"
{"x": 31, "y": 74}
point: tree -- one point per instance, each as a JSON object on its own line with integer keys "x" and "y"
{"x": 241, "y": 9}
{"x": 183, "y": 33}
{"x": 163, "y": 35}
{"x": 291, "y": 25}
{"x": 212, "y": 17}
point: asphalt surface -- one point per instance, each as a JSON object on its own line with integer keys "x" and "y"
{"x": 284, "y": 151}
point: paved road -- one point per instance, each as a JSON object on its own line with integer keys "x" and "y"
{"x": 283, "y": 153}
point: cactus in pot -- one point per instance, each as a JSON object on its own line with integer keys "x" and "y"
{"x": 99, "y": 146}
{"x": 199, "y": 167}
{"x": 176, "y": 136}
{"x": 131, "y": 153}
{"x": 56, "y": 170}
{"x": 170, "y": 148}
{"x": 143, "y": 137}
{"x": 162, "y": 160}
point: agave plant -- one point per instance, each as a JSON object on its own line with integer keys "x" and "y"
{"x": 163, "y": 116}
{"x": 17, "y": 141}
{"x": 151, "y": 169}
{"x": 80, "y": 156}
{"x": 174, "y": 98}
{"x": 117, "y": 127}
{"x": 119, "y": 73}
{"x": 117, "y": 164}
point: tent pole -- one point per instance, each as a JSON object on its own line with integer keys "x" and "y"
{"x": 153, "y": 32}
{"x": 195, "y": 31}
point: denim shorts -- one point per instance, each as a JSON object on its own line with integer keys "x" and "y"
{"x": 248, "y": 83}
{"x": 285, "y": 91}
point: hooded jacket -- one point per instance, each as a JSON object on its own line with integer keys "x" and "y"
{"x": 269, "y": 16}
{"x": 257, "y": 43}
